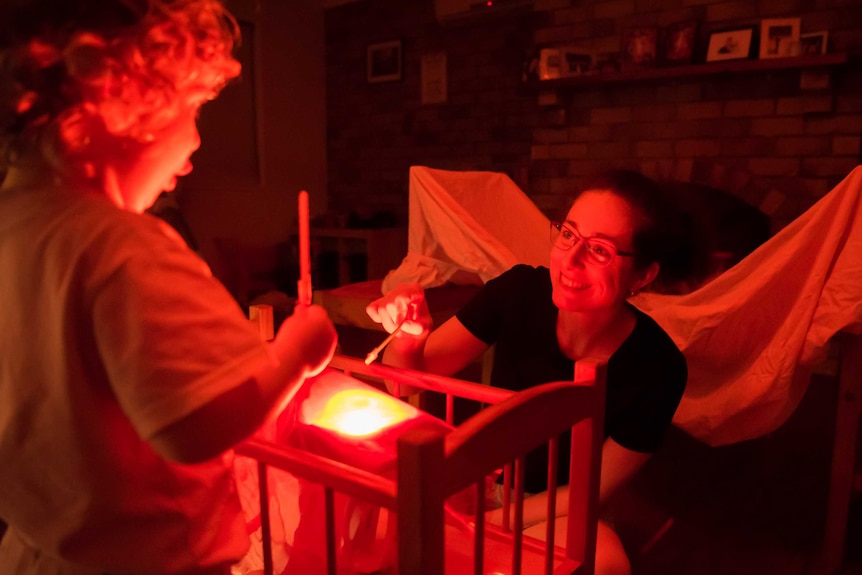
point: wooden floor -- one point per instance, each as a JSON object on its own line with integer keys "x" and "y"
{"x": 756, "y": 507}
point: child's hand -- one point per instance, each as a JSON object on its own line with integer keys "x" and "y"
{"x": 312, "y": 335}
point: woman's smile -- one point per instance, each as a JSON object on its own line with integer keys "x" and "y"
{"x": 572, "y": 284}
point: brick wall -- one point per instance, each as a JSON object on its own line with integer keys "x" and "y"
{"x": 758, "y": 135}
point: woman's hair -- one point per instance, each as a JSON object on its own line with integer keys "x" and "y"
{"x": 126, "y": 67}
{"x": 659, "y": 235}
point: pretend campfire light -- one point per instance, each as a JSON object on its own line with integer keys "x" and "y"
{"x": 360, "y": 413}
{"x": 342, "y": 418}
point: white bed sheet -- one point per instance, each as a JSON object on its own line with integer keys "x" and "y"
{"x": 468, "y": 227}
{"x": 746, "y": 334}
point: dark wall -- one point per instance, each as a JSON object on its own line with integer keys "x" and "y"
{"x": 377, "y": 131}
{"x": 762, "y": 136}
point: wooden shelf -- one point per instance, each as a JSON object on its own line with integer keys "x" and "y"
{"x": 698, "y": 70}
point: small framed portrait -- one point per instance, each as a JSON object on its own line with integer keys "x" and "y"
{"x": 679, "y": 42}
{"x": 574, "y": 62}
{"x": 779, "y": 38}
{"x": 639, "y": 47}
{"x": 550, "y": 64}
{"x": 729, "y": 45}
{"x": 606, "y": 63}
{"x": 383, "y": 62}
{"x": 813, "y": 43}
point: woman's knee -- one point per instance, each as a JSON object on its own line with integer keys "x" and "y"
{"x": 611, "y": 558}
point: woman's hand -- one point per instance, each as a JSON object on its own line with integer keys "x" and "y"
{"x": 405, "y": 306}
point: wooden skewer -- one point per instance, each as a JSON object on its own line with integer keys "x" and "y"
{"x": 303, "y": 288}
{"x": 372, "y": 355}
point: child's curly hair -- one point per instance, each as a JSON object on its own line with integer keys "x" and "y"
{"x": 128, "y": 65}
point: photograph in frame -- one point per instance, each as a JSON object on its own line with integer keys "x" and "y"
{"x": 383, "y": 62}
{"x": 813, "y": 43}
{"x": 679, "y": 43}
{"x": 779, "y": 38}
{"x": 575, "y": 62}
{"x": 729, "y": 45}
{"x": 606, "y": 63}
{"x": 640, "y": 47}
{"x": 550, "y": 64}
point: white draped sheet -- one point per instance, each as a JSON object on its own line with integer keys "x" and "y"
{"x": 468, "y": 227}
{"x": 748, "y": 335}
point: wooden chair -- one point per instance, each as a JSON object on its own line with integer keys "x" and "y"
{"x": 844, "y": 480}
{"x": 434, "y": 465}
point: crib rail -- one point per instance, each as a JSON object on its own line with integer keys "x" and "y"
{"x": 331, "y": 475}
{"x": 431, "y": 454}
{"x": 448, "y": 386}
{"x": 338, "y": 476}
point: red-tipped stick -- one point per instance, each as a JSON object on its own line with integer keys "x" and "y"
{"x": 303, "y": 288}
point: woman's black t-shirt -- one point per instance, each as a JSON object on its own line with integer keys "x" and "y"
{"x": 646, "y": 376}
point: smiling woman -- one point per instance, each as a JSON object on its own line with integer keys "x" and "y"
{"x": 612, "y": 242}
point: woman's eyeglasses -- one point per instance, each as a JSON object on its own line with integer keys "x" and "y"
{"x": 599, "y": 252}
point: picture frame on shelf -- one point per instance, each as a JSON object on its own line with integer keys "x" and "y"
{"x": 383, "y": 62}
{"x": 606, "y": 63}
{"x": 730, "y": 44}
{"x": 813, "y": 43}
{"x": 530, "y": 66}
{"x": 679, "y": 43}
{"x": 550, "y": 64}
{"x": 640, "y": 46}
{"x": 575, "y": 62}
{"x": 779, "y": 37}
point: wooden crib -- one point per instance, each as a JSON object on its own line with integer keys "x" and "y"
{"x": 432, "y": 465}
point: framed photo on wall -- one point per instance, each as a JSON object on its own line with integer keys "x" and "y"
{"x": 679, "y": 42}
{"x": 640, "y": 47}
{"x": 383, "y": 62}
{"x": 813, "y": 43}
{"x": 729, "y": 45}
{"x": 779, "y": 38}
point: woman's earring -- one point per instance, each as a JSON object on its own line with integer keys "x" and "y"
{"x": 632, "y": 293}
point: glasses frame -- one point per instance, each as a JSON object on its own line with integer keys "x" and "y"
{"x": 557, "y": 229}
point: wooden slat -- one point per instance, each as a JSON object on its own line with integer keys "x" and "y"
{"x": 343, "y": 478}
{"x": 500, "y": 430}
{"x": 457, "y": 387}
{"x": 420, "y": 502}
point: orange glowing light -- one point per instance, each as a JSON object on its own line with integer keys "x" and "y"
{"x": 362, "y": 412}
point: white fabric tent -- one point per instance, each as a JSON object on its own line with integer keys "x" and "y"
{"x": 468, "y": 227}
{"x": 746, "y": 335}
